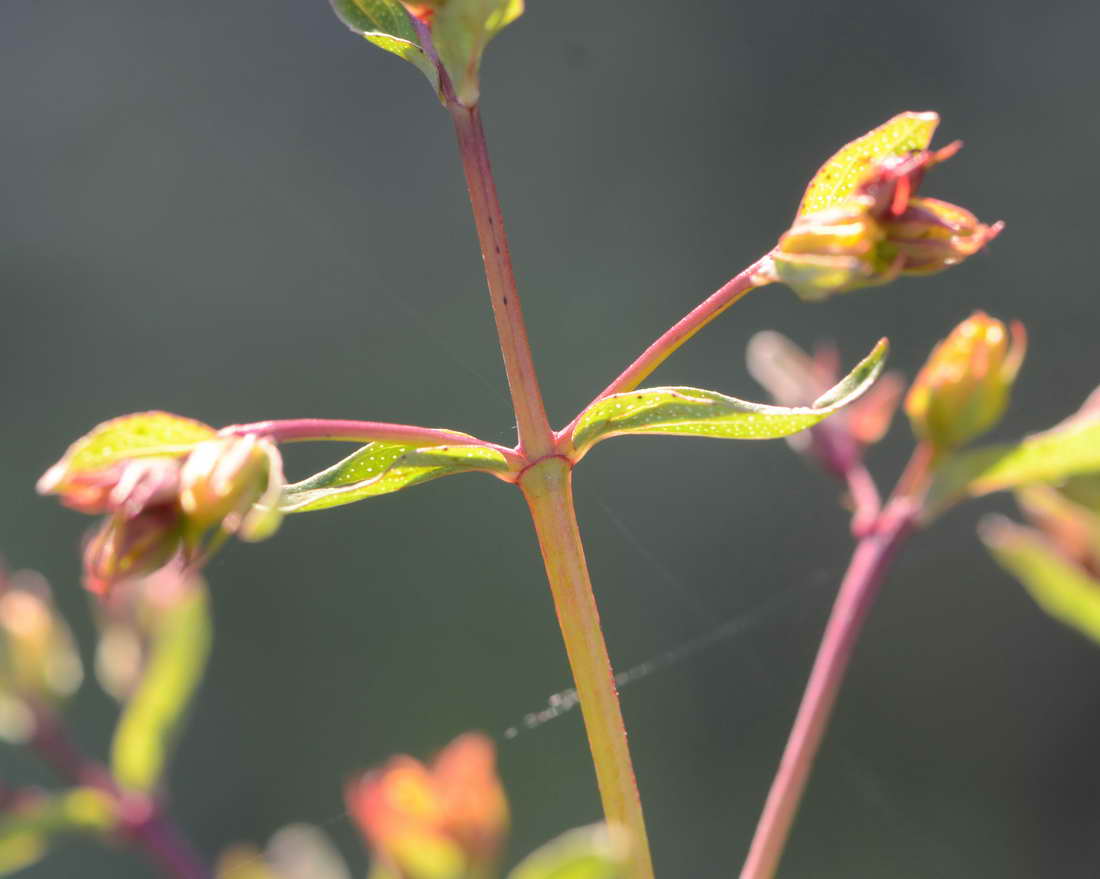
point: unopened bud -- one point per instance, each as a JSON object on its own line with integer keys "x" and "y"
{"x": 963, "y": 388}
{"x": 126, "y": 547}
{"x": 222, "y": 479}
{"x": 38, "y": 658}
{"x": 882, "y": 231}
{"x": 446, "y": 821}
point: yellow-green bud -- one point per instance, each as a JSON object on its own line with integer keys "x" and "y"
{"x": 963, "y": 388}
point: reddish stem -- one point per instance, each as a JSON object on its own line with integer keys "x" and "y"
{"x": 304, "y": 429}
{"x": 861, "y": 583}
{"x": 754, "y": 276}
{"x": 536, "y": 440}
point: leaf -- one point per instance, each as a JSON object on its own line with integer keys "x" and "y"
{"x": 154, "y": 715}
{"x": 1058, "y": 586}
{"x": 26, "y": 830}
{"x": 380, "y": 468}
{"x": 129, "y": 436}
{"x": 461, "y": 29}
{"x": 1071, "y": 449}
{"x": 596, "y": 852}
{"x": 386, "y": 24}
{"x": 838, "y": 178}
{"x": 694, "y": 412}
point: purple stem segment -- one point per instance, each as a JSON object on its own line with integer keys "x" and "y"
{"x": 866, "y": 572}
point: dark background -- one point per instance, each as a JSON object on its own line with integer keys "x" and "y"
{"x": 238, "y": 210}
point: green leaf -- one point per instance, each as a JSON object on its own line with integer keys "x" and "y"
{"x": 130, "y": 436}
{"x": 381, "y": 468}
{"x": 461, "y": 30}
{"x": 595, "y": 852}
{"x": 1058, "y": 586}
{"x": 386, "y": 24}
{"x": 154, "y": 715}
{"x": 1071, "y": 449}
{"x": 26, "y": 830}
{"x": 838, "y": 178}
{"x": 694, "y": 412}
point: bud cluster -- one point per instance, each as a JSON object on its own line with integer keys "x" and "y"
{"x": 884, "y": 230}
{"x": 171, "y": 508}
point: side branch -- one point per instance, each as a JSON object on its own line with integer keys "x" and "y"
{"x": 756, "y": 275}
{"x": 860, "y": 586}
{"x": 305, "y": 429}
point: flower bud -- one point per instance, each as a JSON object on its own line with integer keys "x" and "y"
{"x": 38, "y": 658}
{"x": 126, "y": 547}
{"x": 445, "y": 822}
{"x": 963, "y": 388}
{"x": 882, "y": 231}
{"x": 222, "y": 479}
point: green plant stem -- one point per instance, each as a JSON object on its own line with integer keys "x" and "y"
{"x": 547, "y": 487}
{"x": 535, "y": 437}
{"x": 866, "y": 572}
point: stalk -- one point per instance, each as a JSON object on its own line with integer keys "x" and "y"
{"x": 866, "y": 572}
{"x": 535, "y": 437}
{"x": 547, "y": 487}
{"x": 756, "y": 275}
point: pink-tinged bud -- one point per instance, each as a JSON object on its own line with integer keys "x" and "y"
{"x": 132, "y": 546}
{"x": 423, "y": 10}
{"x": 963, "y": 388}
{"x": 446, "y": 821}
{"x": 38, "y": 657}
{"x": 1071, "y": 525}
{"x": 884, "y": 230}
{"x": 222, "y": 479}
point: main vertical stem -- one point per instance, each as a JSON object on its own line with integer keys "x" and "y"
{"x": 535, "y": 437}
{"x": 547, "y": 486}
{"x": 853, "y": 602}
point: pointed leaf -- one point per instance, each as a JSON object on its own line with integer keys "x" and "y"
{"x": 1058, "y": 586}
{"x": 130, "y": 436}
{"x": 154, "y": 715}
{"x": 386, "y": 24}
{"x": 461, "y": 29}
{"x": 596, "y": 852}
{"x": 694, "y": 412}
{"x": 1071, "y": 449}
{"x": 838, "y": 178}
{"x": 380, "y": 468}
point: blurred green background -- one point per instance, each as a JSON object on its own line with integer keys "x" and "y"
{"x": 239, "y": 211}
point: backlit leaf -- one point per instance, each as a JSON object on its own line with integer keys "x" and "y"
{"x": 386, "y": 24}
{"x": 1058, "y": 586}
{"x": 838, "y": 178}
{"x": 1071, "y": 449}
{"x": 596, "y": 852}
{"x": 154, "y": 715}
{"x": 695, "y": 412}
{"x": 461, "y": 29}
{"x": 129, "y": 436}
{"x": 380, "y": 468}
